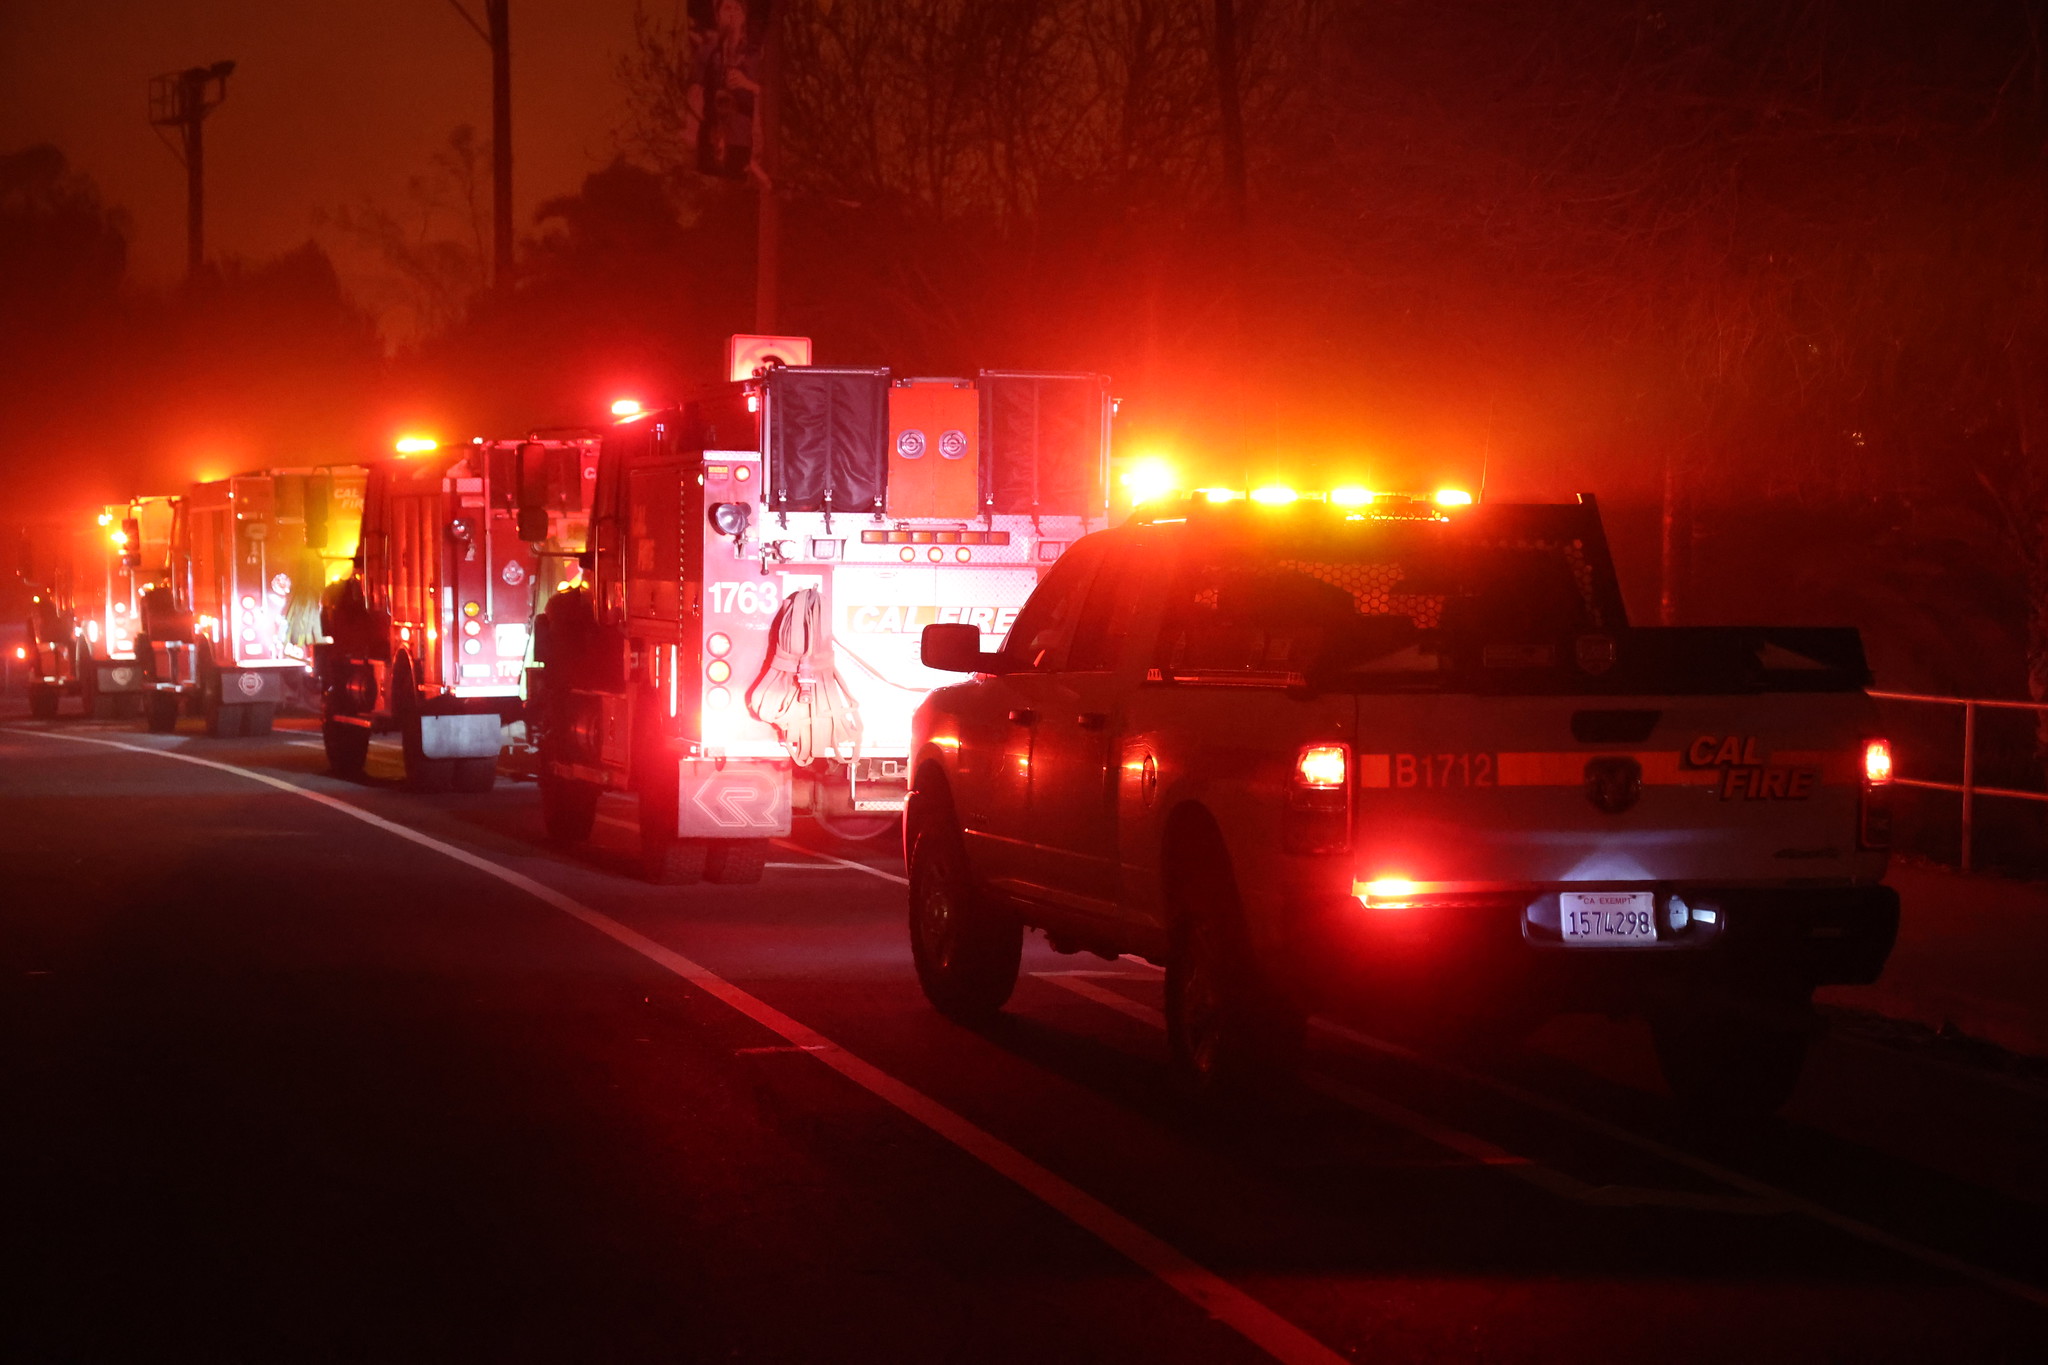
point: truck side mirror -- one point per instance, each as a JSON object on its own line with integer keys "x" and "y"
{"x": 530, "y": 477}
{"x": 954, "y": 647}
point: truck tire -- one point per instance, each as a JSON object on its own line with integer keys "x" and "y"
{"x": 42, "y": 701}
{"x": 966, "y": 949}
{"x": 859, "y": 832}
{"x": 347, "y": 746}
{"x": 422, "y": 774}
{"x": 568, "y": 807}
{"x": 475, "y": 775}
{"x": 736, "y": 862}
{"x": 257, "y": 717}
{"x": 163, "y": 712}
{"x": 1231, "y": 1034}
{"x": 1735, "y": 1063}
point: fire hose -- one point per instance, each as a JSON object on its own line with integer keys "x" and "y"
{"x": 800, "y": 692}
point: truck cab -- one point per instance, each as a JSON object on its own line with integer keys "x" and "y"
{"x": 1404, "y": 761}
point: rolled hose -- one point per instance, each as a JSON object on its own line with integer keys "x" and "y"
{"x": 800, "y": 692}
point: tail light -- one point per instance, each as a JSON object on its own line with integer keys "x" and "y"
{"x": 1874, "y": 809}
{"x": 1318, "y": 818}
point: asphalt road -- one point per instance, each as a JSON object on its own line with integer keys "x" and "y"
{"x": 299, "y": 1069}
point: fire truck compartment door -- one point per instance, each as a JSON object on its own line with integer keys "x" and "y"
{"x": 734, "y": 801}
{"x": 826, "y": 439}
{"x": 934, "y": 450}
{"x": 459, "y": 736}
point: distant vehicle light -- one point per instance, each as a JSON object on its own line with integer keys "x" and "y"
{"x": 1148, "y": 480}
{"x": 625, "y": 407}
{"x": 21, "y": 651}
{"x": 106, "y": 518}
{"x": 120, "y": 539}
{"x": 718, "y": 644}
{"x": 1877, "y": 762}
{"x": 1219, "y": 494}
{"x": 415, "y": 445}
{"x": 718, "y": 670}
{"x": 1453, "y": 497}
{"x": 1350, "y": 496}
{"x": 1274, "y": 495}
{"x": 1321, "y": 766}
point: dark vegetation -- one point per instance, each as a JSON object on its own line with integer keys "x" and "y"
{"x": 1773, "y": 278}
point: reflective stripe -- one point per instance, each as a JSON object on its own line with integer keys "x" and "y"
{"x": 1568, "y": 768}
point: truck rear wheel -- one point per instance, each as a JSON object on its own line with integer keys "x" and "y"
{"x": 42, "y": 701}
{"x": 163, "y": 712}
{"x": 347, "y": 746}
{"x": 1737, "y": 1062}
{"x": 736, "y": 862}
{"x": 966, "y": 950}
{"x": 568, "y": 808}
{"x": 1230, "y": 1032}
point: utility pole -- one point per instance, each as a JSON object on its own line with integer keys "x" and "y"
{"x": 182, "y": 100}
{"x": 768, "y": 240}
{"x": 496, "y": 31}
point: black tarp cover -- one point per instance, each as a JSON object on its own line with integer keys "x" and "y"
{"x": 1042, "y": 443}
{"x": 828, "y": 439}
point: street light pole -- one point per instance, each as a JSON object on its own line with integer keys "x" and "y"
{"x": 182, "y": 100}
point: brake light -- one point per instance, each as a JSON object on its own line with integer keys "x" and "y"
{"x": 1318, "y": 817}
{"x": 1874, "y": 807}
{"x": 1385, "y": 893}
{"x": 1321, "y": 766}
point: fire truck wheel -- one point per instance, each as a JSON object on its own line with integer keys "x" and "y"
{"x": 966, "y": 950}
{"x": 859, "y": 831}
{"x": 673, "y": 861}
{"x": 1232, "y": 1036}
{"x": 257, "y": 719}
{"x": 42, "y": 701}
{"x": 736, "y": 862}
{"x": 568, "y": 808}
{"x": 475, "y": 774}
{"x": 1733, "y": 1064}
{"x": 163, "y": 712}
{"x": 347, "y": 746}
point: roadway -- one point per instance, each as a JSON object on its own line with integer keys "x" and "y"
{"x": 303, "y": 1069}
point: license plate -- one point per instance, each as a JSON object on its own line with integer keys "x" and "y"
{"x": 1597, "y": 917}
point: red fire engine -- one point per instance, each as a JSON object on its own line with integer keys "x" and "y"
{"x": 430, "y": 637}
{"x": 252, "y": 554}
{"x": 763, "y": 562}
{"x": 99, "y": 594}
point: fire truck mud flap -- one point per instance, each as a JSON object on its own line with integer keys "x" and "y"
{"x": 473, "y": 736}
{"x": 120, "y": 677}
{"x": 251, "y": 686}
{"x": 733, "y": 801}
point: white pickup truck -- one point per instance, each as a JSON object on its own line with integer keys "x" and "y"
{"x": 1406, "y": 763}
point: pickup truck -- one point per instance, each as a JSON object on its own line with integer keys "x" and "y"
{"x": 1408, "y": 764}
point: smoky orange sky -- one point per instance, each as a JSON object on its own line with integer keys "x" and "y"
{"x": 333, "y": 102}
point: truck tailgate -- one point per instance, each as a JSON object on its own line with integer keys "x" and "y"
{"x": 1462, "y": 790}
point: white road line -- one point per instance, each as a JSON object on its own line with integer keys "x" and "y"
{"x": 1469, "y": 1145}
{"x": 1202, "y": 1287}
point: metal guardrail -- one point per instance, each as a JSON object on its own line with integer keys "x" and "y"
{"x": 1968, "y": 788}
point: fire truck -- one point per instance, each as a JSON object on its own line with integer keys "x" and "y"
{"x": 109, "y": 573}
{"x": 430, "y": 636}
{"x": 762, "y": 563}
{"x": 251, "y": 555}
